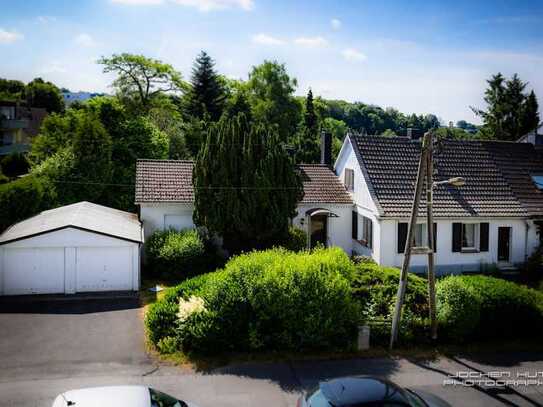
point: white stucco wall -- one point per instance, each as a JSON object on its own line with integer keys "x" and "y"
{"x": 157, "y": 216}
{"x": 70, "y": 240}
{"x": 448, "y": 261}
{"x": 339, "y": 229}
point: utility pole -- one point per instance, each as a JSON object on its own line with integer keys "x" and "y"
{"x": 428, "y": 140}
{"x": 409, "y": 243}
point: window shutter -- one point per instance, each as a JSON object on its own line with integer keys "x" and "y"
{"x": 483, "y": 237}
{"x": 435, "y": 237}
{"x": 355, "y": 226}
{"x": 456, "y": 237}
{"x": 370, "y": 233}
{"x": 402, "y": 236}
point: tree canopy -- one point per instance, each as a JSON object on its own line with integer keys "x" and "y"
{"x": 142, "y": 79}
{"x": 511, "y": 112}
{"x": 252, "y": 182}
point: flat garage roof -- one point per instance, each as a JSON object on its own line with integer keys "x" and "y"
{"x": 82, "y": 215}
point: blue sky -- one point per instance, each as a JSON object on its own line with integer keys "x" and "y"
{"x": 417, "y": 56}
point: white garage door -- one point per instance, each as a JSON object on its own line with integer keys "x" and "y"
{"x": 34, "y": 270}
{"x": 103, "y": 269}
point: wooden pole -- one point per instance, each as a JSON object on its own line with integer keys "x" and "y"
{"x": 408, "y": 246}
{"x": 430, "y": 231}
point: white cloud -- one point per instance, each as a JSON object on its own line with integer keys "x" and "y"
{"x": 201, "y": 5}
{"x": 312, "y": 42}
{"x": 210, "y": 5}
{"x": 9, "y": 37}
{"x": 335, "y": 23}
{"x": 265, "y": 39}
{"x": 138, "y": 2}
{"x": 46, "y": 19}
{"x": 53, "y": 67}
{"x": 85, "y": 40}
{"x": 351, "y": 54}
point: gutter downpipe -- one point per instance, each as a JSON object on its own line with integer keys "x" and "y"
{"x": 526, "y": 230}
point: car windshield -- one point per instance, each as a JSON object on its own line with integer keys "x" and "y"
{"x": 159, "y": 399}
{"x": 317, "y": 399}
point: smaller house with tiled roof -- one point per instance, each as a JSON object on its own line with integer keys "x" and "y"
{"x": 165, "y": 196}
{"x": 494, "y": 220}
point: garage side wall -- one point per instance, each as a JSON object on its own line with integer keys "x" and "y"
{"x": 52, "y": 262}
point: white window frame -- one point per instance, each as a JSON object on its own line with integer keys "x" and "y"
{"x": 349, "y": 179}
{"x": 476, "y": 233}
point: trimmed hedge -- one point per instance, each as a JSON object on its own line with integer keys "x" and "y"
{"x": 175, "y": 254}
{"x": 458, "y": 308}
{"x": 273, "y": 300}
{"x": 506, "y": 310}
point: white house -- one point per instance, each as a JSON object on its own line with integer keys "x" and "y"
{"x": 165, "y": 197}
{"x": 364, "y": 202}
{"x": 494, "y": 220}
{"x": 82, "y": 247}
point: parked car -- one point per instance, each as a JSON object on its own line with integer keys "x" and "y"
{"x": 362, "y": 391}
{"x": 118, "y": 396}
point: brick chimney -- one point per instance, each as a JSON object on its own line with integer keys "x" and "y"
{"x": 326, "y": 148}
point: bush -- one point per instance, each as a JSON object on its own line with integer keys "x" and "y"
{"x": 458, "y": 308}
{"x": 14, "y": 165}
{"x": 506, "y": 309}
{"x": 533, "y": 271}
{"x": 175, "y": 254}
{"x": 159, "y": 319}
{"x": 296, "y": 240}
{"x": 378, "y": 286}
{"x": 24, "y": 198}
{"x": 274, "y": 299}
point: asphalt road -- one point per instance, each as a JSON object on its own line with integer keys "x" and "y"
{"x": 52, "y": 347}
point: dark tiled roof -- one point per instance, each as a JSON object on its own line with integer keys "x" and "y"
{"x": 321, "y": 185}
{"x": 498, "y": 182}
{"x": 171, "y": 181}
{"x": 164, "y": 181}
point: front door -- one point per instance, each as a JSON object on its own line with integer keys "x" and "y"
{"x": 504, "y": 243}
{"x": 319, "y": 232}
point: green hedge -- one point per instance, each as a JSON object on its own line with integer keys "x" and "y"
{"x": 272, "y": 300}
{"x": 24, "y": 198}
{"x": 175, "y": 254}
{"x": 458, "y": 308}
{"x": 506, "y": 309}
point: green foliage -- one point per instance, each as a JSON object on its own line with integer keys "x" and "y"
{"x": 458, "y": 309}
{"x": 296, "y": 240}
{"x": 533, "y": 271}
{"x": 511, "y": 113}
{"x": 206, "y": 94}
{"x": 44, "y": 94}
{"x": 175, "y": 254}
{"x": 11, "y": 89}
{"x": 275, "y": 300}
{"x": 307, "y": 138}
{"x": 168, "y": 345}
{"x": 159, "y": 319}
{"x": 56, "y": 133}
{"x": 377, "y": 286}
{"x": 507, "y": 310}
{"x": 252, "y": 182}
{"x": 141, "y": 80}
{"x": 24, "y": 198}
{"x": 271, "y": 95}
{"x": 14, "y": 165}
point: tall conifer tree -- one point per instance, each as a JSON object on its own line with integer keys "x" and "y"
{"x": 206, "y": 94}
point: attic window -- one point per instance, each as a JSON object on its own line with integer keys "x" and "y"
{"x": 538, "y": 181}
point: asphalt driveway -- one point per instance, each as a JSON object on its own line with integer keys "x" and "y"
{"x": 58, "y": 335}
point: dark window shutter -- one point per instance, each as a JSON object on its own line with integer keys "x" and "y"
{"x": 355, "y": 226}
{"x": 402, "y": 236}
{"x": 435, "y": 237}
{"x": 370, "y": 233}
{"x": 483, "y": 237}
{"x": 456, "y": 237}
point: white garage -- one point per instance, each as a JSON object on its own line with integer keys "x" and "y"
{"x": 82, "y": 247}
